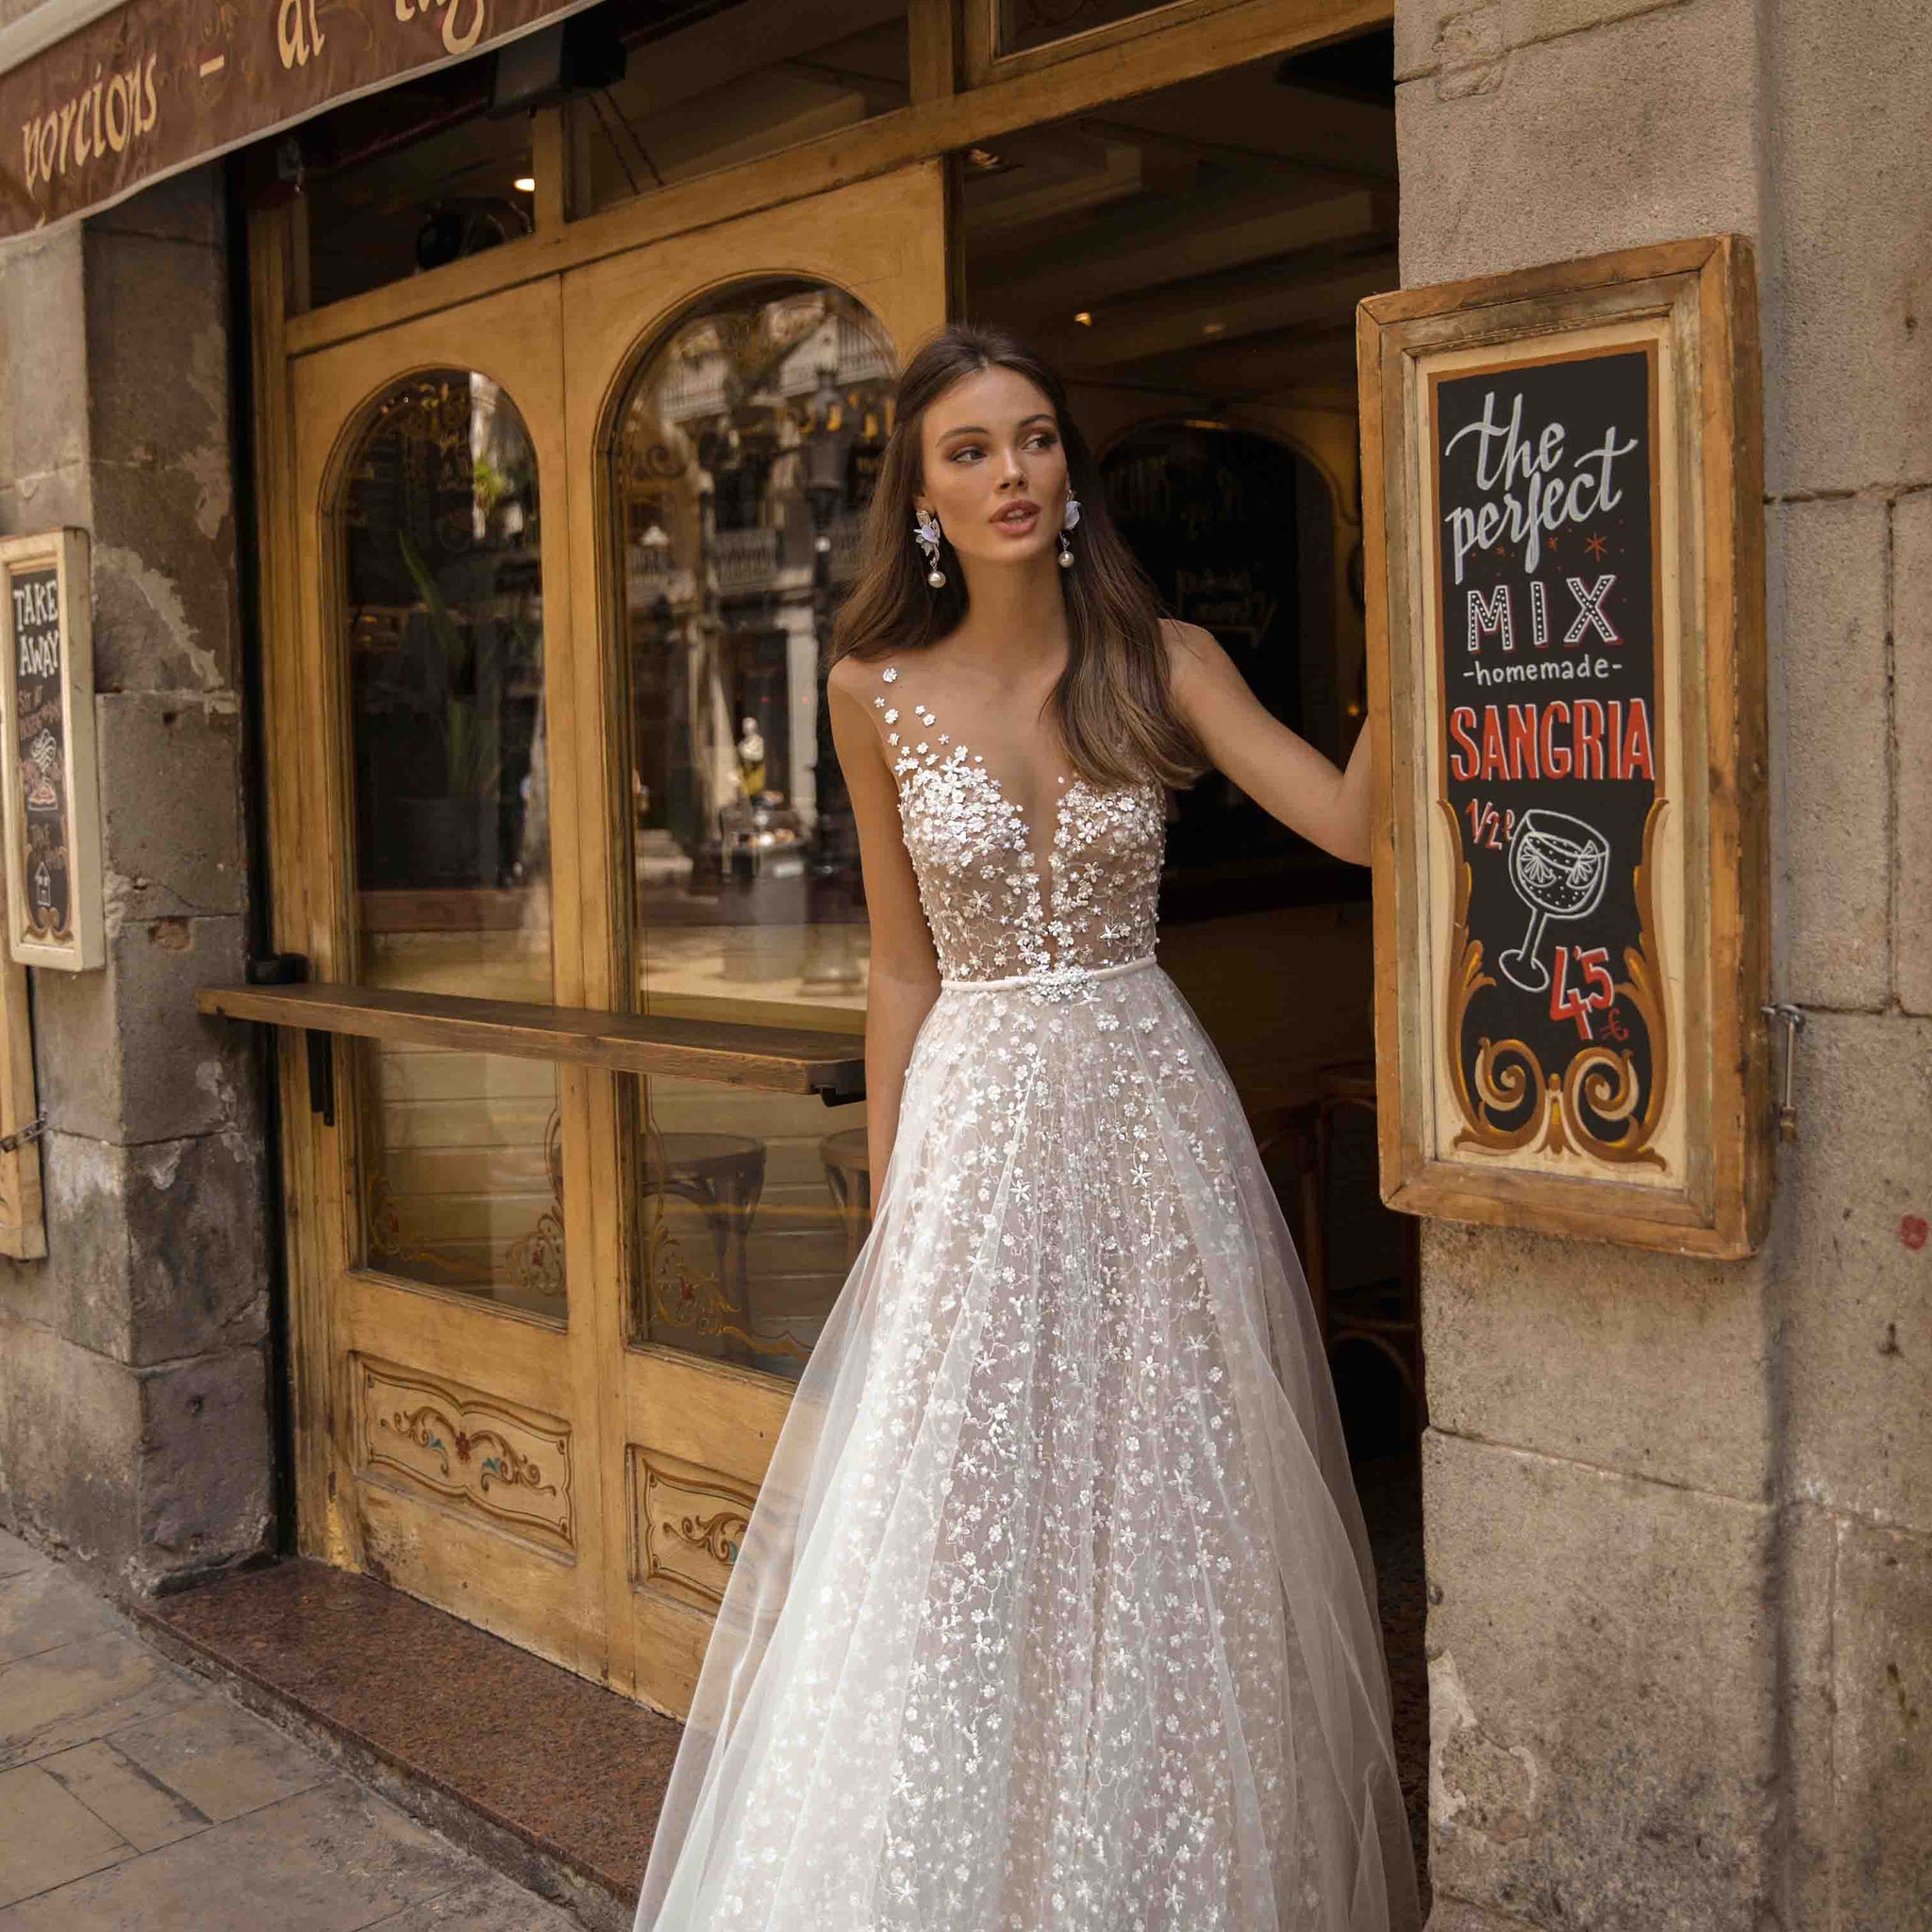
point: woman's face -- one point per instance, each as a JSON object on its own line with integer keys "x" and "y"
{"x": 995, "y": 468}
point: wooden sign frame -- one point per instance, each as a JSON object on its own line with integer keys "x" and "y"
{"x": 52, "y": 784}
{"x": 1619, "y": 1090}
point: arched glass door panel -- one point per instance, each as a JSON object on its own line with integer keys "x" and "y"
{"x": 743, "y": 467}
{"x": 443, "y": 629}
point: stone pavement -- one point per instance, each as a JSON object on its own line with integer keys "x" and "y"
{"x": 134, "y": 1797}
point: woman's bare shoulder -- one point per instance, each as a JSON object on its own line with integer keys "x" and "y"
{"x": 850, "y": 676}
{"x": 1191, "y": 652}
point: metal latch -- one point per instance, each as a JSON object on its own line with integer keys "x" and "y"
{"x": 1794, "y": 1018}
{"x": 21, "y": 1137}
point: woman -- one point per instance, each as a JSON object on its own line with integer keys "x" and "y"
{"x": 1056, "y": 1611}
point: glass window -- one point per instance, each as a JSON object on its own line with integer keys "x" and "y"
{"x": 741, "y": 470}
{"x": 393, "y": 207}
{"x": 443, "y": 613}
{"x": 760, "y": 76}
{"x": 1028, "y": 24}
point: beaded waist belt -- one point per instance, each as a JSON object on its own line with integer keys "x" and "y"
{"x": 1048, "y": 978}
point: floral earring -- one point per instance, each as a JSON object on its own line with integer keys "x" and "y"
{"x": 925, "y": 533}
{"x": 1067, "y": 522}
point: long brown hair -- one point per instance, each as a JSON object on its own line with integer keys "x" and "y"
{"x": 1114, "y": 703}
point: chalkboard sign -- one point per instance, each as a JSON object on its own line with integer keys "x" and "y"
{"x": 53, "y": 832}
{"x": 1564, "y": 538}
{"x": 1546, "y": 635}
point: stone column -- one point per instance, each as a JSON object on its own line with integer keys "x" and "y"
{"x": 1679, "y": 1515}
{"x": 133, "y": 1396}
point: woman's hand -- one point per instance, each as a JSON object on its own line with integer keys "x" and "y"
{"x": 1277, "y": 768}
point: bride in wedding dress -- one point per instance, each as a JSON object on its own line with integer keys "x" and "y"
{"x": 1056, "y": 1611}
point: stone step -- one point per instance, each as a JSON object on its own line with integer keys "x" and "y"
{"x": 554, "y": 1780}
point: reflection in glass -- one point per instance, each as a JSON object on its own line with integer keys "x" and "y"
{"x": 721, "y": 91}
{"x": 444, "y": 622}
{"x": 741, "y": 470}
{"x": 1025, "y": 23}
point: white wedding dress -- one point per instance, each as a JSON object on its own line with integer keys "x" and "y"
{"x": 1056, "y": 1612}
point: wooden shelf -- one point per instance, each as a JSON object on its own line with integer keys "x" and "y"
{"x": 782, "y": 1059}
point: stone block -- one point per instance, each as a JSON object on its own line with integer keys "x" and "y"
{"x": 46, "y": 1608}
{"x": 1642, "y": 129}
{"x": 171, "y": 806}
{"x": 1458, "y": 1915}
{"x": 181, "y": 1074}
{"x": 1858, "y": 1287}
{"x": 156, "y": 351}
{"x": 1853, "y": 114}
{"x": 222, "y": 1760}
{"x": 80, "y": 1290}
{"x": 17, "y": 1557}
{"x": 155, "y": 1251}
{"x": 1654, "y": 1365}
{"x": 326, "y": 1859}
{"x": 1912, "y": 712}
{"x": 1434, "y": 35}
{"x": 139, "y": 1474}
{"x": 70, "y": 1442}
{"x": 123, "y": 1056}
{"x": 197, "y": 1246}
{"x": 187, "y": 206}
{"x": 44, "y": 372}
{"x": 164, "y": 583}
{"x": 1830, "y": 757}
{"x": 85, "y": 1689}
{"x": 46, "y": 500}
{"x": 77, "y": 1071}
{"x": 205, "y": 1496}
{"x": 145, "y": 1813}
{"x": 1601, "y": 1674}
{"x": 51, "y": 1837}
{"x": 1882, "y": 1742}
{"x": 1808, "y": 1564}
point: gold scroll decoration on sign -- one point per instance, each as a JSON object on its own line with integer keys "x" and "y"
{"x": 1515, "y": 1104}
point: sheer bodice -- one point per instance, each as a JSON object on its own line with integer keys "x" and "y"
{"x": 996, "y": 912}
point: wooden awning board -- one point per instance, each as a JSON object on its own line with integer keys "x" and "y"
{"x": 781, "y": 1059}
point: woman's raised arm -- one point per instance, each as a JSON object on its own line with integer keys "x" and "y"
{"x": 904, "y": 977}
{"x": 1276, "y": 767}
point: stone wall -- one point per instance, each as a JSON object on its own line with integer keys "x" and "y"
{"x": 133, "y": 1397}
{"x": 1679, "y": 1515}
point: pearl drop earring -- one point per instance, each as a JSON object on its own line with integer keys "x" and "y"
{"x": 925, "y": 533}
{"x": 1067, "y": 522}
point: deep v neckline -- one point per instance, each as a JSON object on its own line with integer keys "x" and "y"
{"x": 1046, "y": 875}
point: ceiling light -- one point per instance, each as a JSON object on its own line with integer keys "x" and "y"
{"x": 524, "y": 184}
{"x": 981, "y": 158}
{"x": 1213, "y": 329}
{"x": 1084, "y": 317}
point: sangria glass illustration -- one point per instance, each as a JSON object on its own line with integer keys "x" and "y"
{"x": 1559, "y": 867}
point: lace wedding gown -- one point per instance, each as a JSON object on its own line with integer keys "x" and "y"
{"x": 1055, "y": 1613}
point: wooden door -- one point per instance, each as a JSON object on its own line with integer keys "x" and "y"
{"x": 426, "y": 832}
{"x": 715, "y": 545}
{"x": 539, "y": 1366}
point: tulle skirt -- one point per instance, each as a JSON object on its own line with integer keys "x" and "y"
{"x": 1056, "y": 1612}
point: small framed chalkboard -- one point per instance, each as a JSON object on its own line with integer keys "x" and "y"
{"x": 52, "y": 811}
{"x": 1564, "y": 520}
